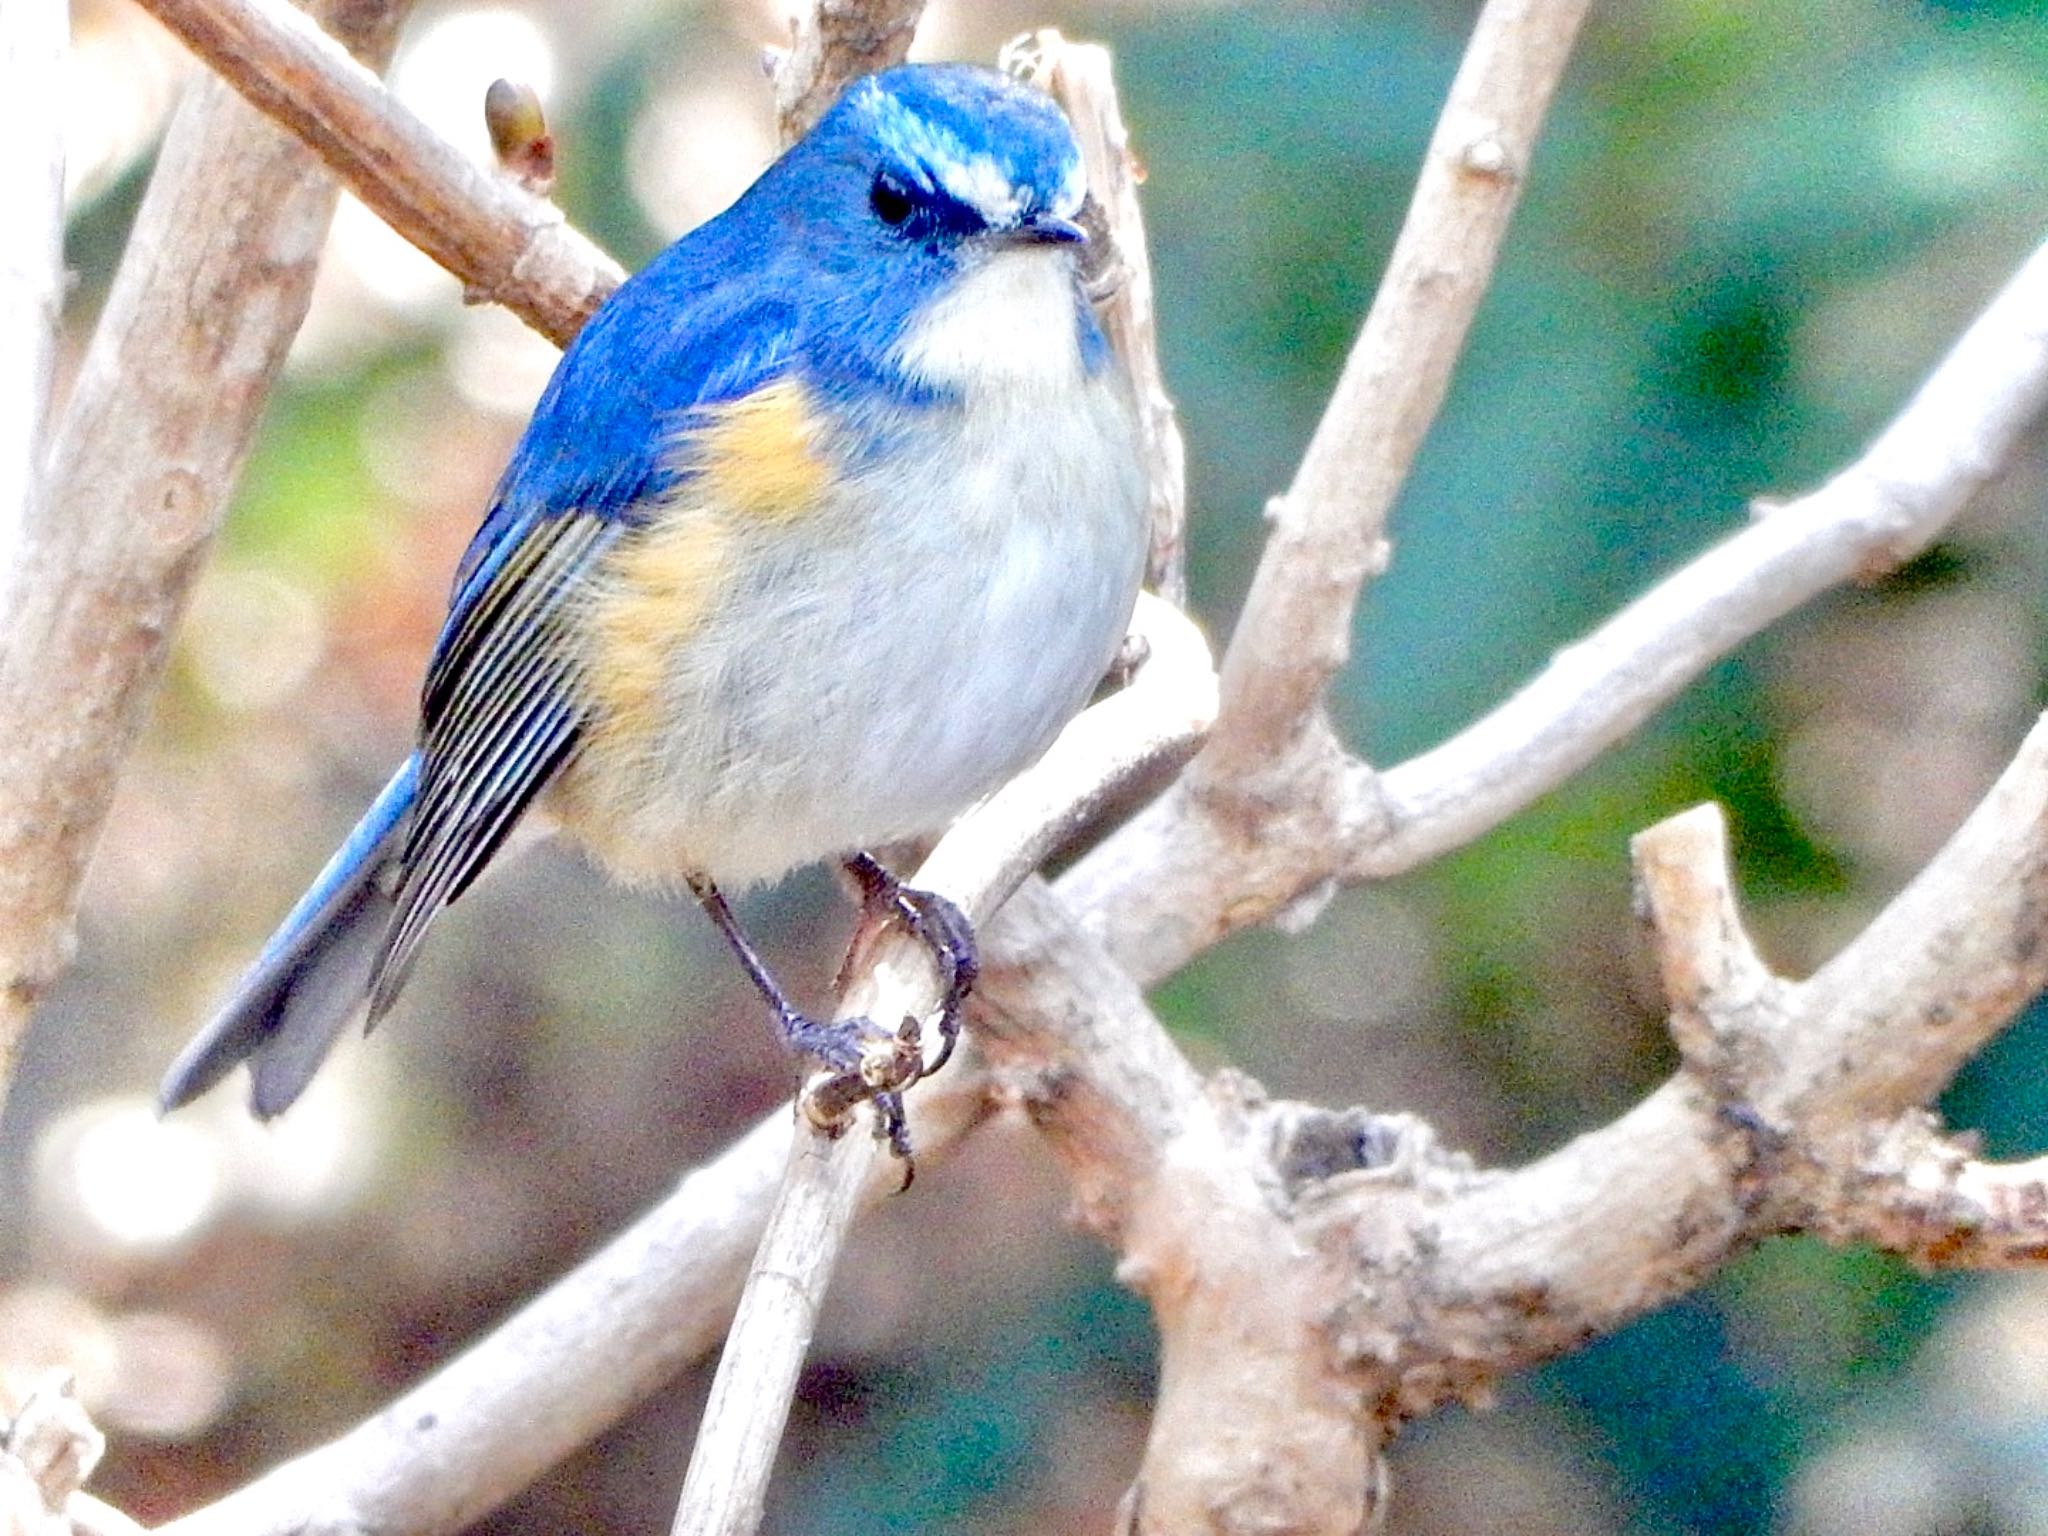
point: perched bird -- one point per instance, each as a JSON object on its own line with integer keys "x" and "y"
{"x": 827, "y": 522}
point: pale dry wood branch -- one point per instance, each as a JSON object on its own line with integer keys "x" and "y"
{"x": 49, "y": 1435}
{"x": 1711, "y": 972}
{"x": 94, "y": 1517}
{"x": 1912, "y": 1189}
{"x": 1250, "y": 1431}
{"x": 506, "y": 245}
{"x": 33, "y": 39}
{"x": 835, "y": 41}
{"x": 1788, "y": 1094}
{"x": 1071, "y": 1042}
{"x": 49, "y": 1446}
{"x": 1328, "y": 530}
{"x": 1955, "y": 433}
{"x": 563, "y": 1368}
{"x": 1183, "y": 875}
{"x": 1082, "y": 79}
{"x": 1250, "y": 834}
{"x": 1357, "y": 1274}
{"x": 215, "y": 279}
{"x": 1159, "y": 718}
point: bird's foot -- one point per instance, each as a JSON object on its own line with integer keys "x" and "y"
{"x": 861, "y": 1061}
{"x": 937, "y": 924}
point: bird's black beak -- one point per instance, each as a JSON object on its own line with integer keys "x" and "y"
{"x": 1050, "y": 229}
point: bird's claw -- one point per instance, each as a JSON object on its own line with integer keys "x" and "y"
{"x": 945, "y": 932}
{"x": 862, "y": 1062}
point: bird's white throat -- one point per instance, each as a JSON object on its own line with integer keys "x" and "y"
{"x": 1008, "y": 323}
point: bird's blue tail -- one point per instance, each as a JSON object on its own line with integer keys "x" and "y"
{"x": 314, "y": 975}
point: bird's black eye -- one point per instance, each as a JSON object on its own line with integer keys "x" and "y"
{"x": 891, "y": 200}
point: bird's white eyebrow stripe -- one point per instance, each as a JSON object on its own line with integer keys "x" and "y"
{"x": 969, "y": 176}
{"x": 979, "y": 182}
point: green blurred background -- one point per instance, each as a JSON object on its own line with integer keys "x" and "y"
{"x": 1750, "y": 231}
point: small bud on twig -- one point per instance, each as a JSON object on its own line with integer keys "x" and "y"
{"x": 519, "y": 134}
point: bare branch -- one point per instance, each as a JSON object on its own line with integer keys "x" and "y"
{"x": 1769, "y": 1125}
{"x": 1197, "y": 866}
{"x": 1712, "y": 976}
{"x": 562, "y": 1369}
{"x": 1322, "y": 1275}
{"x": 1069, "y": 1037}
{"x": 1176, "y": 1174}
{"x": 837, "y": 41}
{"x": 215, "y": 280}
{"x": 506, "y": 245}
{"x": 32, "y": 46}
{"x": 1159, "y": 718}
{"x": 727, "y": 1482}
{"x": 91, "y": 1517}
{"x": 1259, "y": 828}
{"x": 1328, "y": 530}
{"x": 1908, "y": 1188}
{"x": 48, "y": 1448}
{"x": 50, "y": 1436}
{"x": 1919, "y": 473}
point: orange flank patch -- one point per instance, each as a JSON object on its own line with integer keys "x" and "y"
{"x": 760, "y": 459}
{"x": 655, "y": 587}
{"x": 760, "y": 456}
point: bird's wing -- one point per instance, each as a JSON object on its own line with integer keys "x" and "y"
{"x": 502, "y": 706}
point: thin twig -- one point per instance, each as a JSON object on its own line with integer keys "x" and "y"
{"x": 1257, "y": 828}
{"x": 92, "y": 1517}
{"x": 506, "y": 245}
{"x": 33, "y": 39}
{"x": 1184, "y": 875}
{"x": 1328, "y": 529}
{"x": 212, "y": 286}
{"x": 32, "y": 44}
{"x": 837, "y": 40}
{"x": 562, "y": 1369}
{"x": 1954, "y": 434}
{"x": 976, "y": 865}
{"x": 1768, "y": 1126}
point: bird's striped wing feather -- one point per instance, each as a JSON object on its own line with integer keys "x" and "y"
{"x": 501, "y": 713}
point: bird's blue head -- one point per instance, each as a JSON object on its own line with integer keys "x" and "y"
{"x": 916, "y": 182}
{"x": 951, "y": 152}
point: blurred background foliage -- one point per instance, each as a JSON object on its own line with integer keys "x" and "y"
{"x": 1750, "y": 231}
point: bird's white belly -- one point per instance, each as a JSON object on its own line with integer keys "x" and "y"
{"x": 869, "y": 673}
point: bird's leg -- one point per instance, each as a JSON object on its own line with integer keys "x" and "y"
{"x": 842, "y": 1045}
{"x": 937, "y": 924}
